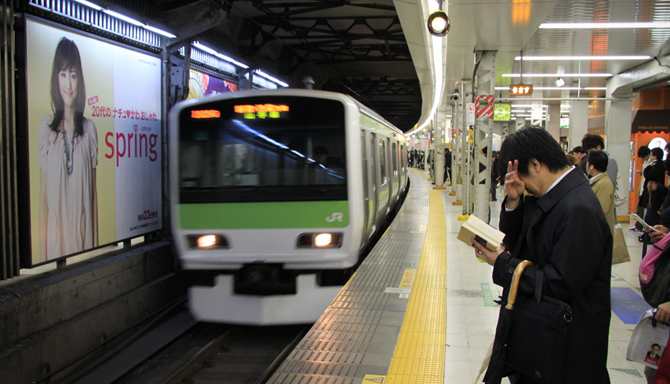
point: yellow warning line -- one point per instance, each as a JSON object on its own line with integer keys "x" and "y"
{"x": 419, "y": 354}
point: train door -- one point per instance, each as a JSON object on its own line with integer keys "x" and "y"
{"x": 373, "y": 169}
{"x": 395, "y": 188}
{"x": 384, "y": 189}
{"x": 368, "y": 200}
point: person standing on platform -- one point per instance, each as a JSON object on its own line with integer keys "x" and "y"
{"x": 565, "y": 221}
{"x": 596, "y": 169}
{"x": 643, "y": 153}
{"x": 592, "y": 142}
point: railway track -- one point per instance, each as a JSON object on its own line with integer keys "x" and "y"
{"x": 215, "y": 353}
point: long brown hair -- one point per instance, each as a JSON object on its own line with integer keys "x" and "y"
{"x": 67, "y": 57}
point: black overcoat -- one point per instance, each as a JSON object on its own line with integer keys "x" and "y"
{"x": 575, "y": 243}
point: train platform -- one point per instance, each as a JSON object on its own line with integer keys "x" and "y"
{"x": 421, "y": 308}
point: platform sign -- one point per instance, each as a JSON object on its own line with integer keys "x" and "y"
{"x": 521, "y": 89}
{"x": 502, "y": 112}
{"x": 98, "y": 182}
{"x": 470, "y": 114}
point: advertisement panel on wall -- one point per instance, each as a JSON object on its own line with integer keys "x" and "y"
{"x": 94, "y": 142}
{"x": 201, "y": 84}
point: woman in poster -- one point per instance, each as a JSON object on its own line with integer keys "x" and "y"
{"x": 67, "y": 156}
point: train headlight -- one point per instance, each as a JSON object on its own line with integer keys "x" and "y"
{"x": 323, "y": 239}
{"x": 207, "y": 241}
{"x": 320, "y": 240}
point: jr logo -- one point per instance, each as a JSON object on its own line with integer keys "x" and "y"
{"x": 335, "y": 216}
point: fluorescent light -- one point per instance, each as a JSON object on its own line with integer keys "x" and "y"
{"x": 160, "y": 31}
{"x": 259, "y": 72}
{"x": 527, "y": 105}
{"x": 204, "y": 48}
{"x": 123, "y": 17}
{"x": 557, "y": 74}
{"x": 603, "y": 25}
{"x": 536, "y": 58}
{"x": 230, "y": 60}
{"x": 89, "y": 4}
{"x": 595, "y": 88}
{"x": 544, "y": 88}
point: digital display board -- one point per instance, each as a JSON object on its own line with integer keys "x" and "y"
{"x": 262, "y": 111}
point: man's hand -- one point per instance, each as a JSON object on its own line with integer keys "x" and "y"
{"x": 663, "y": 312}
{"x": 657, "y": 236}
{"x": 486, "y": 255}
{"x": 514, "y": 187}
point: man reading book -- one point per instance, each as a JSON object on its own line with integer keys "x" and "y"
{"x": 565, "y": 223}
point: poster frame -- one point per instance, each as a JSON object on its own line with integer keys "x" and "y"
{"x": 22, "y": 134}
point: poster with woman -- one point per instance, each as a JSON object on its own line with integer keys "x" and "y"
{"x": 94, "y": 136}
{"x": 202, "y": 84}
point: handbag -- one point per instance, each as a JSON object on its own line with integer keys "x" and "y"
{"x": 620, "y": 251}
{"x": 654, "y": 273}
{"x": 538, "y": 338}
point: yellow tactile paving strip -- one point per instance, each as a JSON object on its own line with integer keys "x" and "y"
{"x": 419, "y": 354}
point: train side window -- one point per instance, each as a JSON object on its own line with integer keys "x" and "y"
{"x": 382, "y": 160}
{"x": 394, "y": 153}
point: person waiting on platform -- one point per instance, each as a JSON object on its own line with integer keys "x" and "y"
{"x": 596, "y": 169}
{"x": 591, "y": 142}
{"x": 573, "y": 242}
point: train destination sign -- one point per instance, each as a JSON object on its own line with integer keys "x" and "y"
{"x": 262, "y": 111}
{"x": 206, "y": 114}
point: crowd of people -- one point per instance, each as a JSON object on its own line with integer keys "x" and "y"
{"x": 559, "y": 212}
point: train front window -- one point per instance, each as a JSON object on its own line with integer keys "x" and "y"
{"x": 270, "y": 148}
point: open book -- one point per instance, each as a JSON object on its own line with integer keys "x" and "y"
{"x": 484, "y": 234}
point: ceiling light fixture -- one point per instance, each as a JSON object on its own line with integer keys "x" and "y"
{"x": 603, "y": 25}
{"x": 160, "y": 31}
{"x": 545, "y": 88}
{"x": 548, "y": 58}
{"x": 558, "y": 75}
{"x": 271, "y": 78}
{"x": 89, "y": 4}
{"x": 123, "y": 17}
{"x": 438, "y": 22}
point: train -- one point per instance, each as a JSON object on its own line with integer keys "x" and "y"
{"x": 275, "y": 196}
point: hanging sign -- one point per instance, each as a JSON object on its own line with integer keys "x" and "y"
{"x": 502, "y": 112}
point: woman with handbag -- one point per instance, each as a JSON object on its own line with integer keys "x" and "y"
{"x": 562, "y": 230}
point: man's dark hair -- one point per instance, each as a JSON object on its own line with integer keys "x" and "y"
{"x": 643, "y": 152}
{"x": 577, "y": 149}
{"x": 658, "y": 152}
{"x": 599, "y": 160}
{"x": 591, "y": 141}
{"x": 655, "y": 345}
{"x": 530, "y": 143}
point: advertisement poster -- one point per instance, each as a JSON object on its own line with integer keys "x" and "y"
{"x": 201, "y": 84}
{"x": 94, "y": 139}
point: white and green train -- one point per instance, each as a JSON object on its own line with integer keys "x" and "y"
{"x": 275, "y": 195}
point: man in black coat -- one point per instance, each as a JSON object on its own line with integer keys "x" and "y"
{"x": 565, "y": 221}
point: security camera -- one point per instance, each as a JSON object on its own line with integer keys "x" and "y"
{"x": 455, "y": 97}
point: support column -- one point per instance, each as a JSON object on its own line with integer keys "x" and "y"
{"x": 554, "y": 121}
{"x": 465, "y": 150}
{"x": 579, "y": 122}
{"x": 457, "y": 162}
{"x": 438, "y": 146}
{"x": 484, "y": 86}
{"x": 618, "y": 117}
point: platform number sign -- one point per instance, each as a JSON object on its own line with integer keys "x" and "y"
{"x": 521, "y": 89}
{"x": 502, "y": 112}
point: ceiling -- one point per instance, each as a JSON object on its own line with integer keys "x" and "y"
{"x": 375, "y": 50}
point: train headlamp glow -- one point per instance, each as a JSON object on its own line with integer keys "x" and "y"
{"x": 323, "y": 239}
{"x": 320, "y": 240}
{"x": 207, "y": 241}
